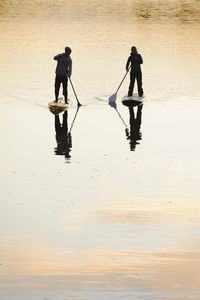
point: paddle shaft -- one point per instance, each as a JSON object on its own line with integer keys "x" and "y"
{"x": 122, "y": 81}
{"x": 71, "y": 84}
{"x": 74, "y": 91}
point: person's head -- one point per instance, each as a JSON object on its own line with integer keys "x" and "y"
{"x": 68, "y": 51}
{"x": 134, "y": 50}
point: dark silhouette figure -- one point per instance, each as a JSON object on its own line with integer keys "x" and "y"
{"x": 135, "y": 59}
{"x": 63, "y": 137}
{"x": 63, "y": 134}
{"x": 134, "y": 135}
{"x": 63, "y": 71}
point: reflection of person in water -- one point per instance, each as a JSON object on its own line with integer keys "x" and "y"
{"x": 135, "y": 135}
{"x": 63, "y": 137}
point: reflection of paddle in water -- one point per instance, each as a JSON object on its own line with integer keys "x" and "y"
{"x": 72, "y": 124}
{"x": 135, "y": 135}
{"x": 112, "y": 103}
{"x": 63, "y": 136}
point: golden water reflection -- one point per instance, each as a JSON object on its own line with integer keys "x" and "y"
{"x": 52, "y": 268}
{"x": 101, "y": 223}
{"x": 173, "y": 265}
{"x": 181, "y": 11}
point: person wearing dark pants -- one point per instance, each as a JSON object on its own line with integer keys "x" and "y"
{"x": 63, "y": 71}
{"x": 135, "y": 59}
{"x": 61, "y": 79}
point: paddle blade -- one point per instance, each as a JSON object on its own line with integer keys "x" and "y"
{"x": 112, "y": 98}
{"x": 113, "y": 105}
{"x": 112, "y": 101}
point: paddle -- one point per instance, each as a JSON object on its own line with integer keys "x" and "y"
{"x": 74, "y": 91}
{"x": 73, "y": 121}
{"x": 114, "y": 105}
{"x": 71, "y": 83}
{"x": 113, "y": 97}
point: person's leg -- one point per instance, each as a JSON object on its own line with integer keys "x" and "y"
{"x": 57, "y": 124}
{"x": 57, "y": 87}
{"x": 65, "y": 92}
{"x": 131, "y": 86}
{"x": 139, "y": 84}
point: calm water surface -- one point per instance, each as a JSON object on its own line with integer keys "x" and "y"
{"x": 105, "y": 222}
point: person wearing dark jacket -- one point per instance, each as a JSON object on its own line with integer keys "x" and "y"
{"x": 63, "y": 71}
{"x": 135, "y": 59}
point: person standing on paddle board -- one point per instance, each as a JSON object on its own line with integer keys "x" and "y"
{"x": 63, "y": 71}
{"x": 135, "y": 59}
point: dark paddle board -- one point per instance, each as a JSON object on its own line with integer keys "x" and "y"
{"x": 133, "y": 100}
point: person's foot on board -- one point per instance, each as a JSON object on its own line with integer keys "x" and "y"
{"x": 140, "y": 92}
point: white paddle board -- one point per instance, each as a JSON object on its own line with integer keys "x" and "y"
{"x": 132, "y": 100}
{"x": 58, "y": 107}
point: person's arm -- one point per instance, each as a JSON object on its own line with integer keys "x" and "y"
{"x": 70, "y": 68}
{"x": 128, "y": 63}
{"x": 139, "y": 59}
{"x": 57, "y": 56}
